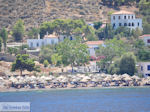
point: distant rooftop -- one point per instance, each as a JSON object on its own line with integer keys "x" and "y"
{"x": 51, "y": 36}
{"x": 123, "y": 12}
{"x": 94, "y": 42}
{"x": 146, "y": 35}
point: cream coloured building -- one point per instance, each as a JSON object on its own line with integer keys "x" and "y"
{"x": 127, "y": 19}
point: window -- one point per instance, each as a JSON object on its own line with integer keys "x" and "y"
{"x": 125, "y": 24}
{"x": 148, "y": 41}
{"x": 96, "y": 48}
{"x": 119, "y": 24}
{"x": 64, "y": 38}
{"x": 129, "y": 24}
{"x": 71, "y": 38}
{"x": 132, "y": 24}
{"x": 147, "y": 74}
{"x": 37, "y": 44}
{"x": 132, "y": 17}
{"x": 148, "y": 67}
{"x": 114, "y": 25}
{"x": 31, "y": 44}
{"x": 124, "y": 17}
{"x": 141, "y": 68}
{"x": 119, "y": 17}
{"x": 114, "y": 17}
{"x": 128, "y": 17}
{"x": 138, "y": 24}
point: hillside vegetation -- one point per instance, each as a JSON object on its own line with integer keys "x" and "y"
{"x": 34, "y": 12}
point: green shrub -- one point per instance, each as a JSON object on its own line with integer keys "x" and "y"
{"x": 46, "y": 63}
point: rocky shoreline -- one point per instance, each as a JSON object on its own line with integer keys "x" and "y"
{"x": 27, "y": 83}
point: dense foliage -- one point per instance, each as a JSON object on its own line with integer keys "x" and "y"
{"x": 33, "y": 33}
{"x": 18, "y": 30}
{"x": 126, "y": 64}
{"x": 46, "y": 52}
{"x": 46, "y": 63}
{"x": 113, "y": 48}
{"x": 4, "y": 35}
{"x": 144, "y": 6}
{"x": 141, "y": 51}
{"x": 118, "y": 2}
{"x": 23, "y": 62}
{"x": 73, "y": 52}
{"x": 109, "y": 33}
{"x": 68, "y": 27}
{"x": 0, "y": 44}
{"x": 97, "y": 25}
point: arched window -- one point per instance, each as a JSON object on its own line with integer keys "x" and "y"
{"x": 125, "y": 24}
{"x": 132, "y": 24}
{"x": 138, "y": 24}
{"x": 129, "y": 24}
{"x": 119, "y": 17}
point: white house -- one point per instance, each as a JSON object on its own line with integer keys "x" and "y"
{"x": 146, "y": 39}
{"x": 144, "y": 68}
{"x": 127, "y": 19}
{"x": 47, "y": 40}
{"x": 92, "y": 46}
{"x": 63, "y": 37}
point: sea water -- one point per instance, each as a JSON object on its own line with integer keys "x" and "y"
{"x": 84, "y": 100}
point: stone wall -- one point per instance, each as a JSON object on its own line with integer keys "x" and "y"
{"x": 7, "y": 57}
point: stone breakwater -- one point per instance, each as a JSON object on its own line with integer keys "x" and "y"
{"x": 72, "y": 81}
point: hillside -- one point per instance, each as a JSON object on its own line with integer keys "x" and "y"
{"x": 34, "y": 12}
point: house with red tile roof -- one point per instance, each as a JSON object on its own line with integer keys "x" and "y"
{"x": 92, "y": 46}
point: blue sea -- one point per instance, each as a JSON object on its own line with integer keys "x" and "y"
{"x": 84, "y": 100}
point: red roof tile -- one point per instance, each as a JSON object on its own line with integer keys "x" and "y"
{"x": 146, "y": 35}
{"x": 94, "y": 42}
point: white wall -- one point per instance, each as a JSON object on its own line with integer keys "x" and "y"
{"x": 36, "y": 43}
{"x": 145, "y": 39}
{"x": 62, "y": 37}
{"x": 128, "y": 20}
{"x": 144, "y": 66}
{"x": 91, "y": 49}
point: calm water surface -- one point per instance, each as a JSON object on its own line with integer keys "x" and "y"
{"x": 84, "y": 100}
